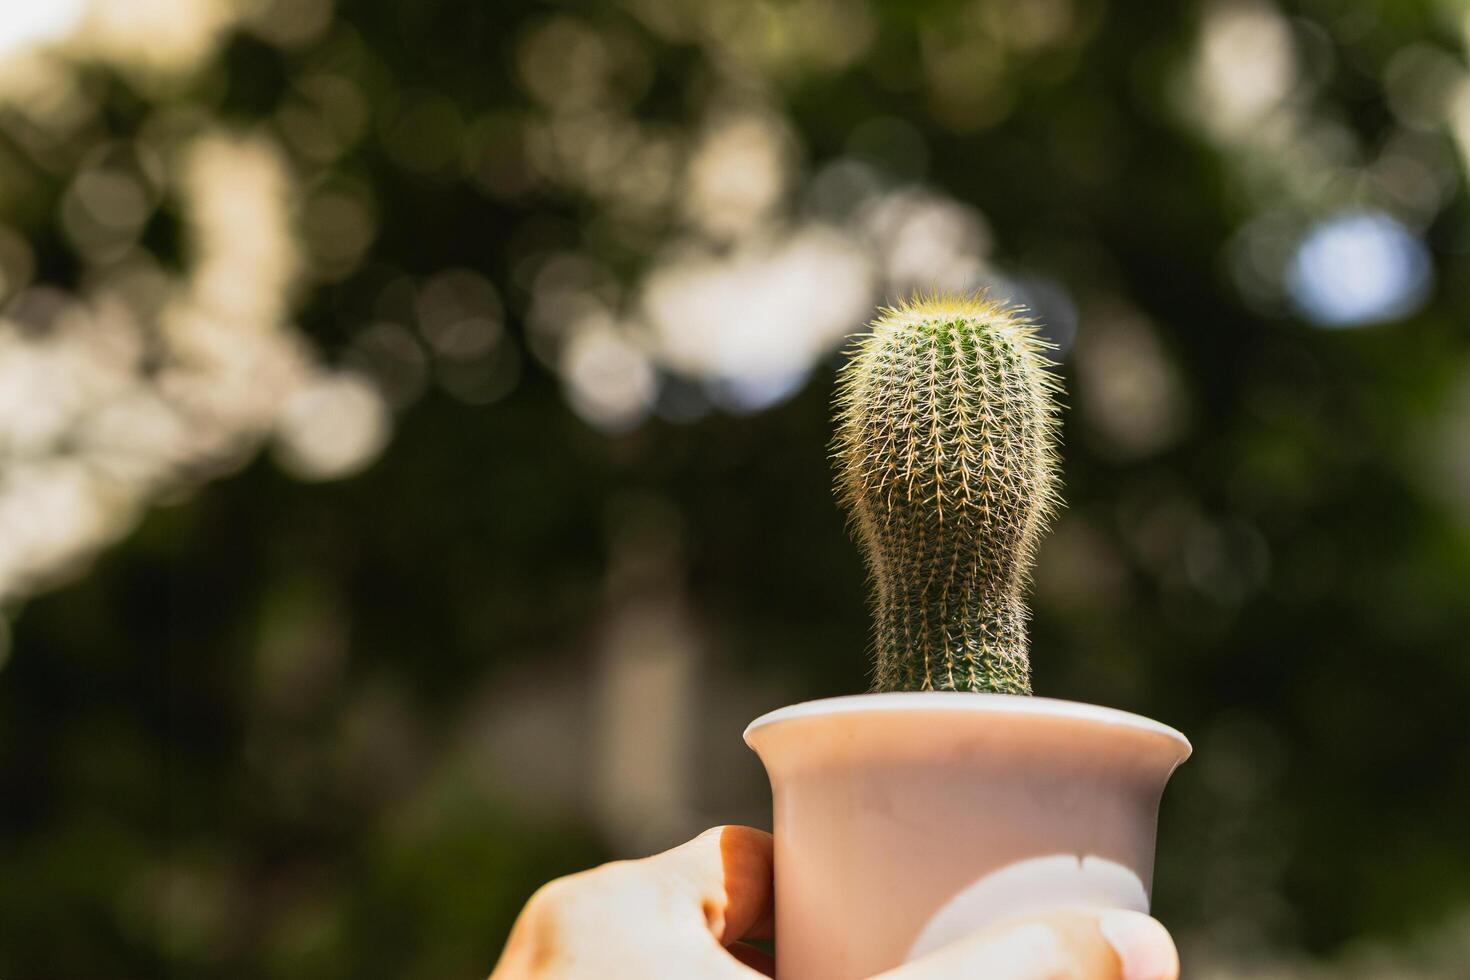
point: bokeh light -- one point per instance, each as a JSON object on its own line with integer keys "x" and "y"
{"x": 412, "y": 426}
{"x": 332, "y": 427}
{"x": 24, "y": 26}
{"x": 1359, "y": 268}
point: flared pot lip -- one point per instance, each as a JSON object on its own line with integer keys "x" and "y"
{"x": 966, "y": 702}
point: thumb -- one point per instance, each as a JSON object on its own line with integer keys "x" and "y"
{"x": 728, "y": 873}
{"x": 1110, "y": 944}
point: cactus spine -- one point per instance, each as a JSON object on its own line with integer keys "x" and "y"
{"x": 947, "y": 465}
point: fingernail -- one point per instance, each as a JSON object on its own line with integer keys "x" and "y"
{"x": 1143, "y": 946}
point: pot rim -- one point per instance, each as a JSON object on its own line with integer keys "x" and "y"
{"x": 966, "y": 702}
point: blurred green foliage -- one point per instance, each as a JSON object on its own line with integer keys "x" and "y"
{"x": 243, "y": 744}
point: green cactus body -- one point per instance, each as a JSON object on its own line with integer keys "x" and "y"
{"x": 947, "y": 464}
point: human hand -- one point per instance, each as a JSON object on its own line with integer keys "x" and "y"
{"x": 684, "y": 913}
{"x": 1081, "y": 944}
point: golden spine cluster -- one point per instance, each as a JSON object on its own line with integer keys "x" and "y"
{"x": 947, "y": 464}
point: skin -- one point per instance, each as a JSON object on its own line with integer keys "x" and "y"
{"x": 686, "y": 913}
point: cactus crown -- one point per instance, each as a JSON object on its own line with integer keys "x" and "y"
{"x": 947, "y": 465}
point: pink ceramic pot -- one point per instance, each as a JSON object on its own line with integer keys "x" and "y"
{"x": 905, "y": 821}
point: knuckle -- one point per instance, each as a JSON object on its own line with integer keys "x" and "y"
{"x": 554, "y": 925}
{"x": 536, "y": 941}
{"x": 562, "y": 899}
{"x": 546, "y": 901}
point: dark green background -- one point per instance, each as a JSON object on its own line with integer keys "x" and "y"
{"x": 1328, "y": 800}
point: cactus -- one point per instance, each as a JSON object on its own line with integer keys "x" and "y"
{"x": 947, "y": 464}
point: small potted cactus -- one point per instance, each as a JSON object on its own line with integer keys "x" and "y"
{"x": 948, "y": 797}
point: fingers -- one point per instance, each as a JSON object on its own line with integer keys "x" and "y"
{"x": 664, "y": 916}
{"x": 1104, "y": 945}
{"x": 668, "y": 915}
{"x": 729, "y": 871}
{"x": 1144, "y": 947}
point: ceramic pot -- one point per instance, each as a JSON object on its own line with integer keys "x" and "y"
{"x": 905, "y": 821}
